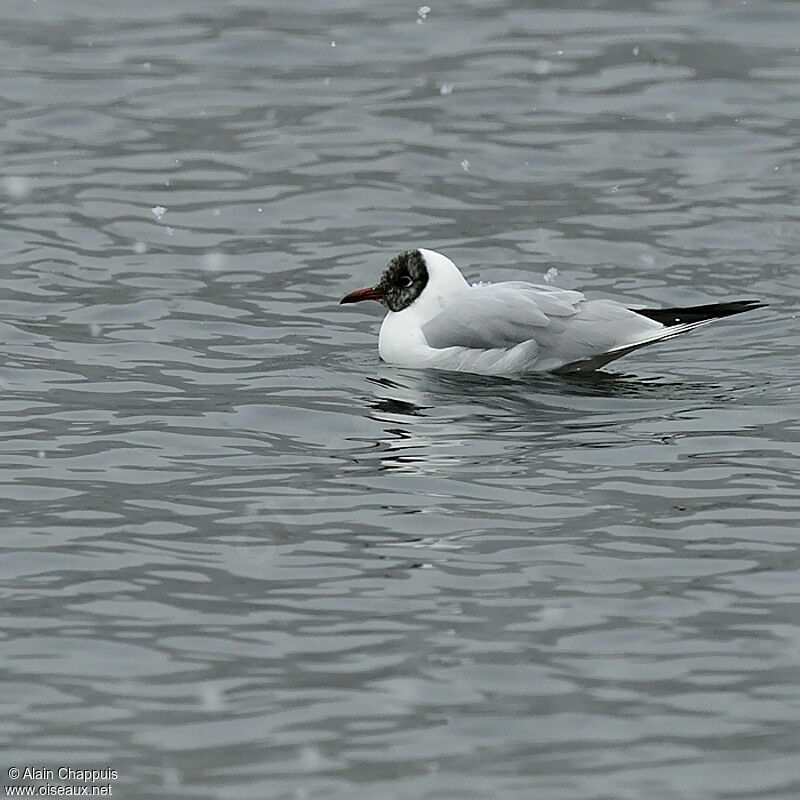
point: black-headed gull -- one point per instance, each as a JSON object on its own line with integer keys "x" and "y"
{"x": 436, "y": 319}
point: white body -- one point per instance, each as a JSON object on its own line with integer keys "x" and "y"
{"x": 510, "y": 328}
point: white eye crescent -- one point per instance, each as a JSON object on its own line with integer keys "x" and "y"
{"x": 406, "y": 281}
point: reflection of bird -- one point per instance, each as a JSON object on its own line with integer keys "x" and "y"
{"x": 436, "y": 319}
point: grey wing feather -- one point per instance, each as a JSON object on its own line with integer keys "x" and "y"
{"x": 500, "y": 315}
{"x": 559, "y": 328}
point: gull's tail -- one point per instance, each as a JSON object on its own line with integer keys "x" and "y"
{"x": 698, "y": 314}
{"x": 675, "y": 321}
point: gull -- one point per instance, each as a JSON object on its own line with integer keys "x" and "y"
{"x": 438, "y": 320}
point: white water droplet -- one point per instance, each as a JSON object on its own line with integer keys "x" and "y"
{"x": 171, "y": 776}
{"x": 40, "y": 454}
{"x": 158, "y": 211}
{"x": 446, "y": 88}
{"x": 94, "y": 329}
{"x": 635, "y": 50}
{"x": 422, "y": 13}
{"x": 311, "y": 759}
{"x": 465, "y": 165}
{"x": 170, "y": 231}
{"x": 333, "y": 43}
{"x": 550, "y": 275}
{"x": 17, "y": 186}
{"x": 214, "y": 261}
{"x": 140, "y": 248}
{"x": 211, "y": 698}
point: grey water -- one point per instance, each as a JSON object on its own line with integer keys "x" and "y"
{"x": 241, "y": 558}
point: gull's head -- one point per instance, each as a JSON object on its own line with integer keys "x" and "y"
{"x": 406, "y": 277}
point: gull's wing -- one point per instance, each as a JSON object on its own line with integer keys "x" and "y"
{"x": 500, "y": 315}
{"x": 556, "y": 326}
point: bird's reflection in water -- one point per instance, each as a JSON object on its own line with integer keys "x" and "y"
{"x": 413, "y": 391}
{"x": 428, "y": 415}
{"x": 386, "y": 401}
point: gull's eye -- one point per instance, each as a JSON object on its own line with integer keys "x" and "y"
{"x": 405, "y": 281}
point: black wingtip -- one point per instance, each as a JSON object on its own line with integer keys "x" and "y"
{"x": 679, "y": 316}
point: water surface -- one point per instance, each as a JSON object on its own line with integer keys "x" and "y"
{"x": 243, "y": 558}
